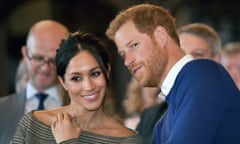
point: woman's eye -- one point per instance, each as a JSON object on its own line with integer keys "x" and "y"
{"x": 76, "y": 78}
{"x": 96, "y": 74}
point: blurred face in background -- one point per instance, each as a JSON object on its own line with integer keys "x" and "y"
{"x": 194, "y": 45}
{"x": 150, "y": 96}
{"x": 40, "y": 52}
{"x": 41, "y": 66}
{"x": 232, "y": 64}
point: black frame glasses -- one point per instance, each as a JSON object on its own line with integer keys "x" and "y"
{"x": 39, "y": 60}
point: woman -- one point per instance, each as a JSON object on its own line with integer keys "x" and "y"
{"x": 83, "y": 68}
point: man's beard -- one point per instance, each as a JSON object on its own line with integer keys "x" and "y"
{"x": 154, "y": 66}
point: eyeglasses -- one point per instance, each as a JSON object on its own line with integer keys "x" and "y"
{"x": 39, "y": 60}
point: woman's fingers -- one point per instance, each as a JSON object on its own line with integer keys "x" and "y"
{"x": 67, "y": 116}
{"x": 63, "y": 128}
{"x": 60, "y": 116}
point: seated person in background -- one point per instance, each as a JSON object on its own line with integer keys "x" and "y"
{"x": 137, "y": 99}
{"x": 197, "y": 39}
{"x": 42, "y": 90}
{"x": 21, "y": 78}
{"x": 230, "y": 59}
{"x": 200, "y": 40}
{"x": 84, "y": 70}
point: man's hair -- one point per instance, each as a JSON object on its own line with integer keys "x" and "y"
{"x": 205, "y": 32}
{"x": 146, "y": 18}
{"x": 231, "y": 48}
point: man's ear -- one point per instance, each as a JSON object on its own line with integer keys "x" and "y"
{"x": 161, "y": 36}
{"x": 62, "y": 83}
{"x": 24, "y": 51}
{"x": 217, "y": 57}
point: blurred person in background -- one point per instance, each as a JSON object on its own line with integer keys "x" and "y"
{"x": 230, "y": 59}
{"x": 42, "y": 90}
{"x": 21, "y": 77}
{"x": 200, "y": 40}
{"x": 137, "y": 99}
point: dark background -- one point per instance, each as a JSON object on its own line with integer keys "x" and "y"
{"x": 17, "y": 16}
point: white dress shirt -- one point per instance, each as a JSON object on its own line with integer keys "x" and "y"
{"x": 53, "y": 100}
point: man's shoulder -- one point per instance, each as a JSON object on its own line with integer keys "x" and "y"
{"x": 155, "y": 110}
{"x": 157, "y": 107}
{"x": 12, "y": 99}
{"x": 11, "y": 96}
{"x": 201, "y": 68}
{"x": 7, "y": 98}
{"x": 202, "y": 62}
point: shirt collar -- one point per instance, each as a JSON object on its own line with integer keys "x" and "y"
{"x": 53, "y": 92}
{"x": 171, "y": 76}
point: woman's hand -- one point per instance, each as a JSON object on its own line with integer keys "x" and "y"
{"x": 65, "y": 128}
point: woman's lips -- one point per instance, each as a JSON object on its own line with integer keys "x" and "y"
{"x": 91, "y": 97}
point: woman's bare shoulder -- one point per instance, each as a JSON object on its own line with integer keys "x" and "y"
{"x": 47, "y": 116}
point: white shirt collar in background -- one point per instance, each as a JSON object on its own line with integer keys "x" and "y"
{"x": 53, "y": 92}
{"x": 53, "y": 100}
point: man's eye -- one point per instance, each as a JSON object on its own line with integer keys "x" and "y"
{"x": 38, "y": 58}
{"x": 135, "y": 45}
{"x": 198, "y": 55}
{"x": 52, "y": 61}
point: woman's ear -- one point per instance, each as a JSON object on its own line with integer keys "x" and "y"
{"x": 161, "y": 36}
{"x": 62, "y": 83}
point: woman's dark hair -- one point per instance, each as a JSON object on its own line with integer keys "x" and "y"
{"x": 77, "y": 42}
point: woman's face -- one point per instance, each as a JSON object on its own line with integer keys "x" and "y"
{"x": 85, "y": 81}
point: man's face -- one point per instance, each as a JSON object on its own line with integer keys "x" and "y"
{"x": 195, "y": 46}
{"x": 40, "y": 56}
{"x": 142, "y": 56}
{"x": 232, "y": 64}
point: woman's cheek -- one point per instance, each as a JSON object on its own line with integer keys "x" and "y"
{"x": 74, "y": 89}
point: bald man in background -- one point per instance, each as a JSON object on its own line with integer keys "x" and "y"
{"x": 39, "y": 53}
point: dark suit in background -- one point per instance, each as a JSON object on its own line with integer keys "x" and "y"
{"x": 148, "y": 119}
{"x": 11, "y": 110}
